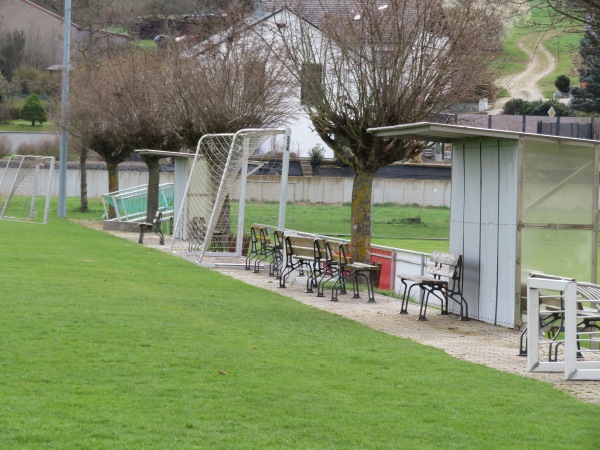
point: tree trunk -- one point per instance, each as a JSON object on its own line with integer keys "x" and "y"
{"x": 152, "y": 162}
{"x": 113, "y": 183}
{"x": 83, "y": 152}
{"x": 362, "y": 189}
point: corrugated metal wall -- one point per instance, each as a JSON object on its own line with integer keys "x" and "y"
{"x": 483, "y": 226}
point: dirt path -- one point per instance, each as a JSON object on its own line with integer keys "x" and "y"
{"x": 524, "y": 85}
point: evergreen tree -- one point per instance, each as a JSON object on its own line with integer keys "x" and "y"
{"x": 34, "y": 110}
{"x": 587, "y": 98}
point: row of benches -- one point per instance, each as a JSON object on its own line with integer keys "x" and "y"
{"x": 323, "y": 261}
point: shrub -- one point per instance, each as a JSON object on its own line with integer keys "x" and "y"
{"x": 40, "y": 148}
{"x": 33, "y": 110}
{"x": 563, "y": 83}
{"x": 536, "y": 108}
{"x": 316, "y": 154}
{"x": 5, "y": 147}
{"x": 13, "y": 113}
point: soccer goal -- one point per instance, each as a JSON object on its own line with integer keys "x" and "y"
{"x": 227, "y": 171}
{"x": 25, "y": 188}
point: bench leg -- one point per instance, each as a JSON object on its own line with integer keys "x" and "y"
{"x": 161, "y": 236}
{"x": 323, "y": 281}
{"x": 423, "y": 309}
{"x": 339, "y": 285}
{"x": 368, "y": 281}
{"x": 141, "y": 239}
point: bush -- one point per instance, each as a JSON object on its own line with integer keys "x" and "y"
{"x": 40, "y": 148}
{"x": 5, "y": 147}
{"x": 563, "y": 83}
{"x": 535, "y": 108}
{"x": 316, "y": 154}
{"x": 33, "y": 110}
{"x": 13, "y": 113}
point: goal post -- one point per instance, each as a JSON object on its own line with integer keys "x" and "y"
{"x": 25, "y": 188}
{"x": 212, "y": 216}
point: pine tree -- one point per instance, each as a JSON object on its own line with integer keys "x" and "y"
{"x": 587, "y": 98}
{"x": 34, "y": 110}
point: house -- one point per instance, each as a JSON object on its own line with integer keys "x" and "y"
{"x": 43, "y": 31}
{"x": 272, "y": 19}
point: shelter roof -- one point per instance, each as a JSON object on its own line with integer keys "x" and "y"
{"x": 436, "y": 132}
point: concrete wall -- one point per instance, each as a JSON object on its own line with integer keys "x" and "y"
{"x": 300, "y": 189}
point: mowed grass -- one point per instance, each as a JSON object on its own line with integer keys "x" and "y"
{"x": 390, "y": 225}
{"x": 109, "y": 344}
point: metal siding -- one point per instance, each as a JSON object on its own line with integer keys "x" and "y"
{"x": 507, "y": 236}
{"x": 471, "y": 228}
{"x": 457, "y": 205}
{"x": 488, "y": 275}
{"x": 457, "y": 200}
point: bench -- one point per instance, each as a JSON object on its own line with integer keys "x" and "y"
{"x": 443, "y": 280}
{"x": 262, "y": 249}
{"x": 304, "y": 254}
{"x": 155, "y": 226}
{"x": 349, "y": 270}
{"x": 552, "y": 315}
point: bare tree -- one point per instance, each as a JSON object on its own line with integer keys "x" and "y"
{"x": 118, "y": 106}
{"x": 374, "y": 64}
{"x": 225, "y": 88}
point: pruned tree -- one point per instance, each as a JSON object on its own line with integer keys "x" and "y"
{"x": 374, "y": 64}
{"x": 224, "y": 88}
{"x": 118, "y": 106}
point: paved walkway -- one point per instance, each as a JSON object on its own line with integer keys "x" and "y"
{"x": 473, "y": 341}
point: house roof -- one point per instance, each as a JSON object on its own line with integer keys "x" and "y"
{"x": 50, "y": 13}
{"x": 315, "y": 11}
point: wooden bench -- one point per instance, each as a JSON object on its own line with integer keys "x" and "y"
{"x": 304, "y": 254}
{"x": 349, "y": 270}
{"x": 155, "y": 226}
{"x": 443, "y": 280}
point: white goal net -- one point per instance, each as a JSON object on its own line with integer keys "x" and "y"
{"x": 25, "y": 188}
{"x": 225, "y": 170}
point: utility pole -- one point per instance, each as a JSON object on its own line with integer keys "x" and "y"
{"x": 62, "y": 182}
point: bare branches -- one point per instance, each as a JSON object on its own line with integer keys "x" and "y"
{"x": 385, "y": 64}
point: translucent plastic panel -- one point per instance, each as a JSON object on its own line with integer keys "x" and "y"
{"x": 558, "y": 183}
{"x": 565, "y": 253}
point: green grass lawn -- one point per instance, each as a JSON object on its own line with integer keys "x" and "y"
{"x": 25, "y": 125}
{"x": 109, "y": 344}
{"x": 334, "y": 220}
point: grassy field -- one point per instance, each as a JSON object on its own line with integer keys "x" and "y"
{"x": 334, "y": 220}
{"x": 109, "y": 344}
{"x": 25, "y": 125}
